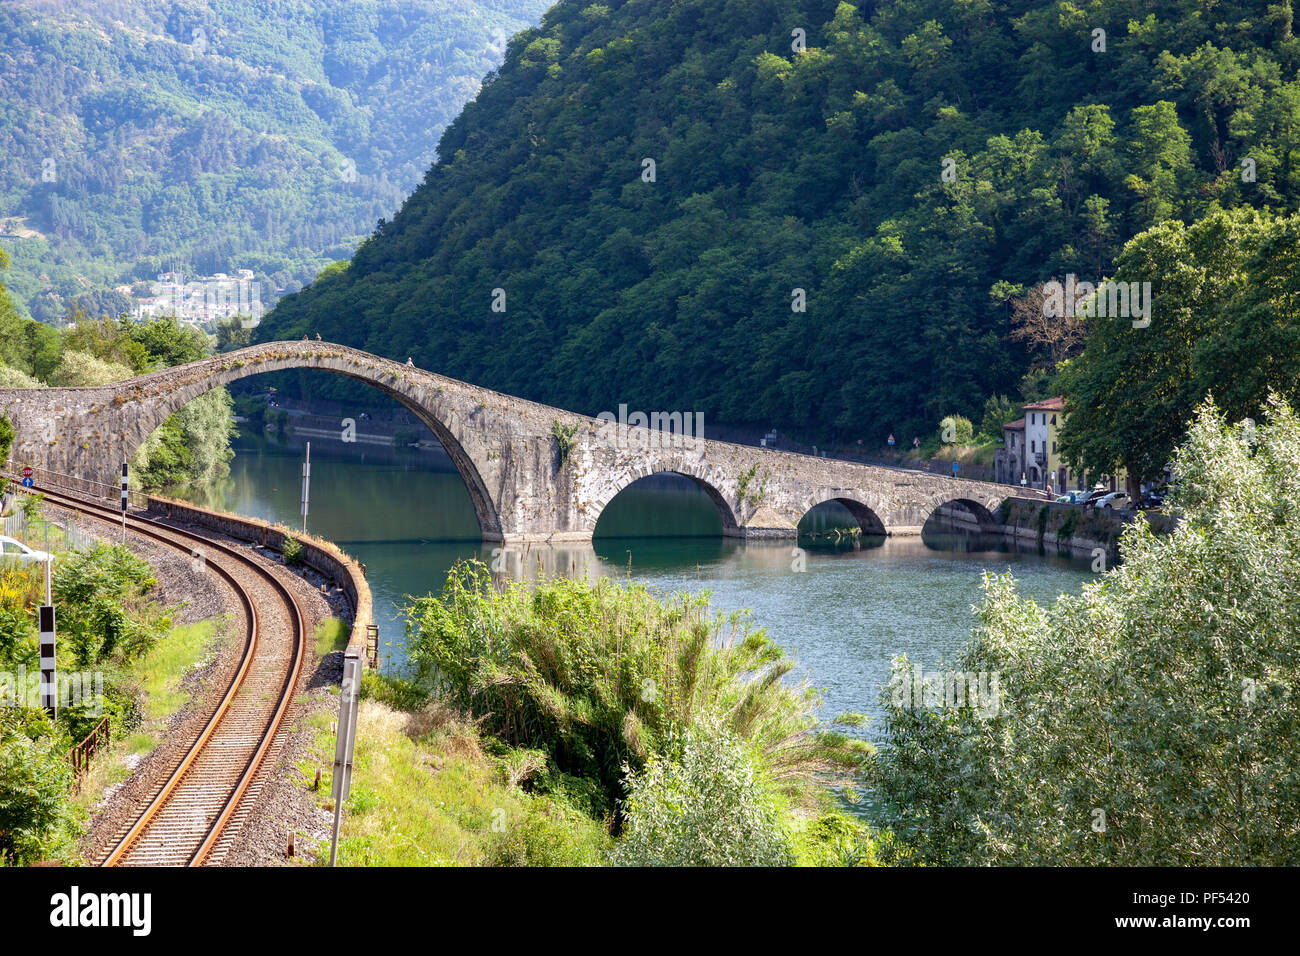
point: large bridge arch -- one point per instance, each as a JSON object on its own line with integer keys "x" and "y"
{"x": 385, "y": 376}
{"x": 136, "y": 407}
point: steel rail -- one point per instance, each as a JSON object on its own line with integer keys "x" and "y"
{"x": 168, "y": 534}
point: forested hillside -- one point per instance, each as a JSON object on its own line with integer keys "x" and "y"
{"x": 1063, "y": 130}
{"x": 220, "y": 134}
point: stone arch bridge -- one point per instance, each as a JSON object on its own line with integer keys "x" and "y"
{"x": 534, "y": 473}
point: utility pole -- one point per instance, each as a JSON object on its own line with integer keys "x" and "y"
{"x": 306, "y": 487}
{"x": 123, "y": 502}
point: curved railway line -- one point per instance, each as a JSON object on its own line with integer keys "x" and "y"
{"x": 188, "y": 819}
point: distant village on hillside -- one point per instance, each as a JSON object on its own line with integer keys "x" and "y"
{"x": 202, "y": 301}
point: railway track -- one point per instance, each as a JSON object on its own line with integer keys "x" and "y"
{"x": 190, "y": 818}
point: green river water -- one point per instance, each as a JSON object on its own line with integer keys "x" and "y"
{"x": 407, "y": 516}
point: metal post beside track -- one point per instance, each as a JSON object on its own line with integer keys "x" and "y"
{"x": 345, "y": 742}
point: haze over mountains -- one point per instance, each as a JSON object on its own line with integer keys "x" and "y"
{"x": 219, "y": 134}
{"x": 1063, "y": 131}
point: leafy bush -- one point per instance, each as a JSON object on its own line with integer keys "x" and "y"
{"x": 35, "y": 819}
{"x": 392, "y": 691}
{"x": 292, "y": 550}
{"x": 104, "y": 609}
{"x": 549, "y": 832}
{"x": 16, "y": 632}
{"x": 30, "y": 506}
{"x": 955, "y": 430}
{"x": 13, "y": 378}
{"x": 836, "y": 839}
{"x": 1151, "y": 720}
{"x": 703, "y": 802}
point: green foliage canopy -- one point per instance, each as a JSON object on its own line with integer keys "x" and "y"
{"x": 1148, "y": 721}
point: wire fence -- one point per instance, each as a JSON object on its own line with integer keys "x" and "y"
{"x": 35, "y": 527}
{"x": 46, "y": 534}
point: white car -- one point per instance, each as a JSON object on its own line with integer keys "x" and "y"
{"x": 11, "y": 549}
{"x": 1116, "y": 499}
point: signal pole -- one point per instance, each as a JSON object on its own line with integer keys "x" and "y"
{"x": 306, "y": 487}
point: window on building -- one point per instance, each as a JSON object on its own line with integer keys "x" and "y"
{"x": 1053, "y": 419}
{"x": 1053, "y": 448}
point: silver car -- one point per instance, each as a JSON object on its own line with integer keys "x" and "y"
{"x": 1111, "y": 501}
{"x": 12, "y": 549}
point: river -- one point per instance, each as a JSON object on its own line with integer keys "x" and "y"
{"x": 407, "y": 516}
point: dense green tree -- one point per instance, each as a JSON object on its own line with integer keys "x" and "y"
{"x": 1147, "y": 721}
{"x": 1223, "y": 322}
{"x": 7, "y": 436}
{"x": 35, "y": 817}
{"x": 272, "y": 139}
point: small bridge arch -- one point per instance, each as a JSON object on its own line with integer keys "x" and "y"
{"x": 868, "y": 519}
{"x": 684, "y": 466}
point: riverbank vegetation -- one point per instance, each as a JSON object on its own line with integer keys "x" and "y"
{"x": 1149, "y": 721}
{"x": 110, "y": 624}
{"x": 1224, "y": 323}
{"x": 602, "y": 703}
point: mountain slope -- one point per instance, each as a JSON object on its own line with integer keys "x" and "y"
{"x": 216, "y": 134}
{"x": 822, "y": 171}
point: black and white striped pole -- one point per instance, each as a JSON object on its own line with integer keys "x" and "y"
{"x": 123, "y": 501}
{"x": 49, "y": 670}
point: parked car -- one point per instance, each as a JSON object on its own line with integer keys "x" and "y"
{"x": 1111, "y": 501}
{"x": 14, "y": 550}
{"x": 1087, "y": 497}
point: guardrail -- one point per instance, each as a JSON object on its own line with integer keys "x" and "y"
{"x": 80, "y": 756}
{"x": 42, "y": 477}
{"x": 325, "y": 556}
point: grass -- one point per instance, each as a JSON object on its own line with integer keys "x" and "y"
{"x": 167, "y": 664}
{"x": 426, "y": 792}
{"x": 332, "y": 635}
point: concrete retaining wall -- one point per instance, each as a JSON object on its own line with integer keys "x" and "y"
{"x": 1091, "y": 531}
{"x": 317, "y": 553}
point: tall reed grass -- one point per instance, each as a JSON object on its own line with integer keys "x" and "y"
{"x": 600, "y": 674}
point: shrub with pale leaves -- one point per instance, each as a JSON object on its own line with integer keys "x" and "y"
{"x": 703, "y": 803}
